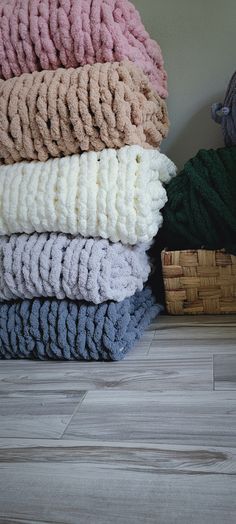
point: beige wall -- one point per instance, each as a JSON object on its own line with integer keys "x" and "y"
{"x": 198, "y": 41}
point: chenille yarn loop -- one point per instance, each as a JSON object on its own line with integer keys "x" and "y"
{"x": 40, "y": 35}
{"x": 201, "y": 208}
{"x": 225, "y": 114}
{"x": 59, "y": 113}
{"x": 68, "y": 330}
{"x": 63, "y": 266}
{"x": 116, "y": 194}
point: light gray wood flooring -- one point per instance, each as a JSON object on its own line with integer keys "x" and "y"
{"x": 150, "y": 440}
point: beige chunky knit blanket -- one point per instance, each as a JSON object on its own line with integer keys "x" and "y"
{"x": 58, "y": 113}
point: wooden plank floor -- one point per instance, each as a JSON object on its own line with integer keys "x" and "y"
{"x": 150, "y": 440}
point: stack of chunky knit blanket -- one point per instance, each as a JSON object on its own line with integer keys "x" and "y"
{"x": 82, "y": 178}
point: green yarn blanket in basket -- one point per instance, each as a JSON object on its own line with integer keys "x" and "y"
{"x": 201, "y": 207}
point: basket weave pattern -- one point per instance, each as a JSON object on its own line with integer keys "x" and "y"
{"x": 199, "y": 281}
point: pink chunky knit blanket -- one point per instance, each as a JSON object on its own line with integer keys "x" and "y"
{"x": 47, "y": 34}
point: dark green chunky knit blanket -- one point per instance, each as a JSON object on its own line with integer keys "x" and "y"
{"x": 201, "y": 208}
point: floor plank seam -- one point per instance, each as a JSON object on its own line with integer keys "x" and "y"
{"x": 73, "y": 414}
{"x": 213, "y": 372}
{"x": 151, "y": 341}
{"x": 15, "y": 520}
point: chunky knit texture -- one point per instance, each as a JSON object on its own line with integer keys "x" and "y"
{"x": 201, "y": 208}
{"x": 47, "y": 34}
{"x": 59, "y": 265}
{"x": 58, "y": 113}
{"x": 225, "y": 114}
{"x": 115, "y": 194}
{"x": 67, "y": 330}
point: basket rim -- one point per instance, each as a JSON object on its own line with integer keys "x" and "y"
{"x": 167, "y": 250}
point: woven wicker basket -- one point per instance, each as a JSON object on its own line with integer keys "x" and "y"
{"x": 199, "y": 281}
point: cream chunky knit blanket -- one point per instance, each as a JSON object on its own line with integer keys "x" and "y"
{"x": 114, "y": 194}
